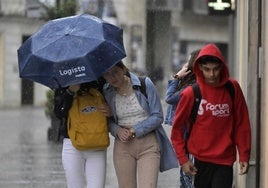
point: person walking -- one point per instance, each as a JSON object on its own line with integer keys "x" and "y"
{"x": 83, "y": 168}
{"x": 222, "y": 124}
{"x": 141, "y": 146}
{"x": 183, "y": 78}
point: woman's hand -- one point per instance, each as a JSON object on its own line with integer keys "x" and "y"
{"x": 124, "y": 134}
{"x": 105, "y": 109}
{"x": 183, "y": 71}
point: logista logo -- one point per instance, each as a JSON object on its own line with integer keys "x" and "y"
{"x": 75, "y": 70}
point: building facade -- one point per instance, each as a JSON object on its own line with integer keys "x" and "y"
{"x": 19, "y": 19}
{"x": 251, "y": 57}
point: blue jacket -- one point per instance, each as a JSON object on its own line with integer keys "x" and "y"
{"x": 152, "y": 105}
{"x": 172, "y": 98}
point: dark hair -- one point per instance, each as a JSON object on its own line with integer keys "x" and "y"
{"x": 97, "y": 84}
{"x": 189, "y": 79}
{"x": 192, "y": 59}
{"x": 122, "y": 66}
{"x": 207, "y": 58}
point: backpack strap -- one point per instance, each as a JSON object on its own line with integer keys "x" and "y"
{"x": 143, "y": 86}
{"x": 197, "y": 100}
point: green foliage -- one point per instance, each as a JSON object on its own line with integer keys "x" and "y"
{"x": 49, "y": 105}
{"x": 63, "y": 8}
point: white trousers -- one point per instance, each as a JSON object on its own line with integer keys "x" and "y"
{"x": 83, "y": 169}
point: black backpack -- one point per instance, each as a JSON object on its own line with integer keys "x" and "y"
{"x": 142, "y": 87}
{"x": 197, "y": 99}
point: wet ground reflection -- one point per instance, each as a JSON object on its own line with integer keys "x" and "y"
{"x": 28, "y": 160}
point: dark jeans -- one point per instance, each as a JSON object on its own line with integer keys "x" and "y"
{"x": 211, "y": 175}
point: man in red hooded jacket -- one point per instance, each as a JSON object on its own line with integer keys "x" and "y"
{"x": 222, "y": 124}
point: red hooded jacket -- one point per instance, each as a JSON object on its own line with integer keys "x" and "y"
{"x": 221, "y": 124}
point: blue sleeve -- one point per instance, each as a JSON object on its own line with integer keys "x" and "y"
{"x": 172, "y": 93}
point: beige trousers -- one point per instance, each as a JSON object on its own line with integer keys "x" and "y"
{"x": 137, "y": 162}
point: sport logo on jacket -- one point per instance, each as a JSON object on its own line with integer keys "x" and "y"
{"x": 218, "y": 110}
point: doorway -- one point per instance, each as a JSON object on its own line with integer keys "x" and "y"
{"x": 27, "y": 87}
{"x": 26, "y": 92}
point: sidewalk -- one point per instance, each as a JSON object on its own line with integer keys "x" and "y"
{"x": 28, "y": 160}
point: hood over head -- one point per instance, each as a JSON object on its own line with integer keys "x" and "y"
{"x": 211, "y": 50}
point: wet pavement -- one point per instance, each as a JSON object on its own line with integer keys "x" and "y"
{"x": 29, "y": 160}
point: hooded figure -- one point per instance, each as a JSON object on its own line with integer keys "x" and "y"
{"x": 222, "y": 124}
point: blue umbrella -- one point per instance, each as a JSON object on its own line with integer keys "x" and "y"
{"x": 71, "y": 50}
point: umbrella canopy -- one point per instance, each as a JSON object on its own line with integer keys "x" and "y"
{"x": 71, "y": 50}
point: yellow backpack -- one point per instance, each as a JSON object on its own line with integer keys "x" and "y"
{"x": 87, "y": 126}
